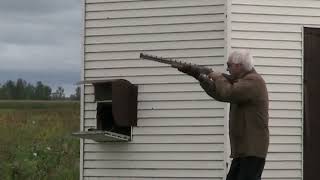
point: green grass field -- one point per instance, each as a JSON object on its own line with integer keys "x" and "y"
{"x": 36, "y": 141}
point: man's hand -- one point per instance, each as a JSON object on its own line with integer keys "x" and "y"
{"x": 214, "y": 75}
{"x": 203, "y": 78}
{"x": 192, "y": 69}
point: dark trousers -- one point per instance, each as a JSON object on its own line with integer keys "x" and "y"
{"x": 246, "y": 168}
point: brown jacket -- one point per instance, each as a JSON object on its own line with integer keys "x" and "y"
{"x": 248, "y": 118}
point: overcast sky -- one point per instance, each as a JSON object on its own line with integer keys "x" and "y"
{"x": 40, "y": 41}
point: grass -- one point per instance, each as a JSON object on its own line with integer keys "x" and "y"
{"x": 36, "y": 141}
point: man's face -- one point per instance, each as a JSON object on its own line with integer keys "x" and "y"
{"x": 234, "y": 69}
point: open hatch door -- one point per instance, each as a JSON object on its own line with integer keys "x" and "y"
{"x": 116, "y": 111}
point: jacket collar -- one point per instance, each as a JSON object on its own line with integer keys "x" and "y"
{"x": 248, "y": 72}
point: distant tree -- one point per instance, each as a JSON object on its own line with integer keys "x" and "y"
{"x": 42, "y": 92}
{"x": 39, "y": 90}
{"x": 20, "y": 89}
{"x": 30, "y": 91}
{"x": 58, "y": 94}
{"x": 23, "y": 90}
{"x": 76, "y": 96}
{"x": 46, "y": 92}
{"x": 2, "y": 95}
{"x": 9, "y": 90}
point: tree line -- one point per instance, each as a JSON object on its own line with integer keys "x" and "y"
{"x": 22, "y": 90}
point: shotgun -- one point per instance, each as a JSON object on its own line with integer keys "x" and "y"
{"x": 188, "y": 68}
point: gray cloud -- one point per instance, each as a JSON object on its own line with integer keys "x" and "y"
{"x": 39, "y": 21}
{"x": 40, "y": 38}
{"x": 37, "y": 6}
{"x": 50, "y": 29}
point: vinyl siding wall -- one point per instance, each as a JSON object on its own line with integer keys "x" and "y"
{"x": 272, "y": 30}
{"x": 180, "y": 131}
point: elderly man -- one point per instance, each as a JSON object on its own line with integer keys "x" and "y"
{"x": 247, "y": 94}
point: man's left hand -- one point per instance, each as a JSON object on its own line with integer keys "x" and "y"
{"x": 214, "y": 75}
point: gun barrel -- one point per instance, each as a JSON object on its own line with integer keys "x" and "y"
{"x": 158, "y": 59}
{"x": 189, "y": 68}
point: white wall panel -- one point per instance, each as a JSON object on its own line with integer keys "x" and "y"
{"x": 117, "y": 5}
{"x": 139, "y": 38}
{"x": 153, "y": 173}
{"x": 155, "y": 164}
{"x": 154, "y": 29}
{"x": 180, "y": 131}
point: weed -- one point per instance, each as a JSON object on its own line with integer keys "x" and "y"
{"x": 36, "y": 141}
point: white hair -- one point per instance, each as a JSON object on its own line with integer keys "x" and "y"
{"x": 242, "y": 57}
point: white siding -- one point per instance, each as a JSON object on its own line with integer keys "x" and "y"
{"x": 272, "y": 30}
{"x": 180, "y": 132}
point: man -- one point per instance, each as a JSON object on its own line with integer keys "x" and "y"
{"x": 247, "y": 94}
